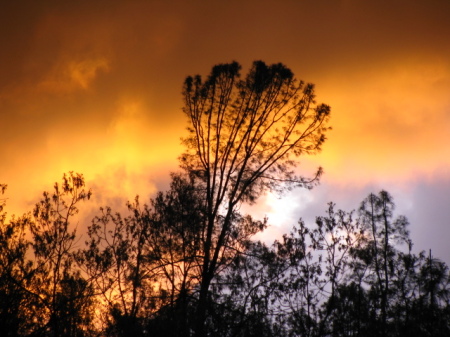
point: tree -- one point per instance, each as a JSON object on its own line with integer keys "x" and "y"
{"x": 431, "y": 308}
{"x": 63, "y": 295}
{"x": 116, "y": 261}
{"x": 383, "y": 232}
{"x": 15, "y": 274}
{"x": 244, "y": 139}
{"x": 40, "y": 288}
{"x": 333, "y": 238}
{"x": 144, "y": 266}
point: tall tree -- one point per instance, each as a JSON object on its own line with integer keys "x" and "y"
{"x": 244, "y": 138}
{"x": 63, "y": 294}
{"x": 376, "y": 256}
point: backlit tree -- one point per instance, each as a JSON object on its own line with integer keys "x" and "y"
{"x": 245, "y": 137}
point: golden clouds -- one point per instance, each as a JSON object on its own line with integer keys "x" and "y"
{"x": 82, "y": 73}
{"x": 126, "y": 155}
{"x": 73, "y": 75}
{"x": 390, "y": 122}
{"x": 94, "y": 87}
{"x": 135, "y": 139}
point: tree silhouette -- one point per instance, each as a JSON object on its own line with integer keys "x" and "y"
{"x": 144, "y": 265}
{"x": 116, "y": 261}
{"x": 382, "y": 232}
{"x": 43, "y": 292}
{"x": 323, "y": 279}
{"x": 62, "y": 293}
{"x": 244, "y": 138}
{"x": 15, "y": 275}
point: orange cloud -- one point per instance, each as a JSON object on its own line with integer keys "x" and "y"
{"x": 390, "y": 121}
{"x": 73, "y": 75}
{"x": 96, "y": 89}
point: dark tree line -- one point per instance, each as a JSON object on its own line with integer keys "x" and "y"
{"x": 186, "y": 263}
{"x": 349, "y": 274}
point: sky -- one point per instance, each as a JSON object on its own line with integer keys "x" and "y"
{"x": 95, "y": 87}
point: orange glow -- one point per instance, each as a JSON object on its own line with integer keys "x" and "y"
{"x": 73, "y": 75}
{"x": 96, "y": 89}
{"x": 391, "y": 122}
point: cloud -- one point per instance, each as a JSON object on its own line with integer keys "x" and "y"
{"x": 389, "y": 121}
{"x": 95, "y": 87}
{"x": 73, "y": 75}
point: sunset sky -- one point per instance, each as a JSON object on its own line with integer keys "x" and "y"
{"x": 95, "y": 87}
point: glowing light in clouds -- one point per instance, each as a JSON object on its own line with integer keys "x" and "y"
{"x": 96, "y": 89}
